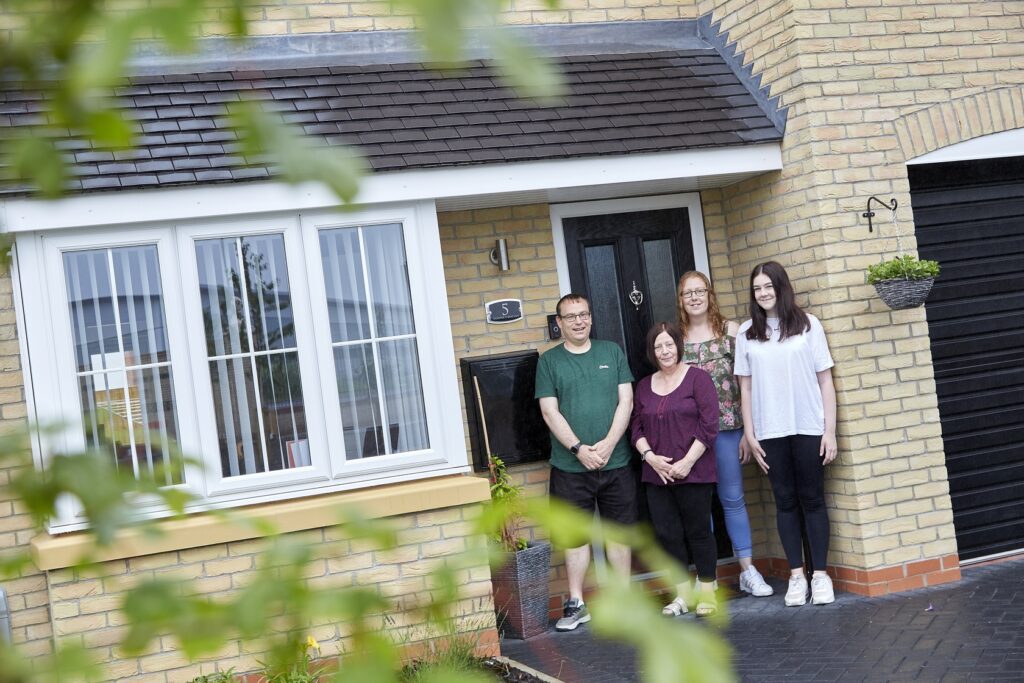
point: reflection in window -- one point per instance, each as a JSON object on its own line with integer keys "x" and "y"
{"x": 121, "y": 358}
{"x": 373, "y": 335}
{"x": 254, "y": 361}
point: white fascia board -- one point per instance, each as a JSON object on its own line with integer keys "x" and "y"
{"x": 126, "y": 207}
{"x": 996, "y": 146}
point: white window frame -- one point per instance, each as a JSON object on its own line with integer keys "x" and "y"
{"x": 49, "y": 350}
{"x": 45, "y": 255}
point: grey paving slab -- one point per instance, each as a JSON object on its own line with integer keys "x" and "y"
{"x": 969, "y": 631}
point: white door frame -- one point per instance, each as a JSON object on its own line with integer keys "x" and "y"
{"x": 689, "y": 201}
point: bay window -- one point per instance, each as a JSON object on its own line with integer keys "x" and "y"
{"x": 290, "y": 355}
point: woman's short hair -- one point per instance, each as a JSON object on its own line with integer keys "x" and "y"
{"x": 673, "y": 331}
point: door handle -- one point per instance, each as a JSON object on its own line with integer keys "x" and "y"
{"x": 636, "y": 296}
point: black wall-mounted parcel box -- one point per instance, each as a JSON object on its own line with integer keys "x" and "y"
{"x": 501, "y": 409}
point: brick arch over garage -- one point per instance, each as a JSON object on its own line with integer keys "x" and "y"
{"x": 964, "y": 118}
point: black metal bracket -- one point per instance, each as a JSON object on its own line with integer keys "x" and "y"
{"x": 869, "y": 214}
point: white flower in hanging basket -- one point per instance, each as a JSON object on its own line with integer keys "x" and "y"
{"x": 903, "y": 282}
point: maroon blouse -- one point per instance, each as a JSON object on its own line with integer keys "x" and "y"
{"x": 671, "y": 423}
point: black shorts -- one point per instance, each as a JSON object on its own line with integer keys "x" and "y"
{"x": 611, "y": 492}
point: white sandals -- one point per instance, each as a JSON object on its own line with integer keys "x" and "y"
{"x": 675, "y": 608}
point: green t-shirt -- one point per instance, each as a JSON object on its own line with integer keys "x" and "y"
{"x": 587, "y": 388}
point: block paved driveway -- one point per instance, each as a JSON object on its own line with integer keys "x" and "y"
{"x": 972, "y": 630}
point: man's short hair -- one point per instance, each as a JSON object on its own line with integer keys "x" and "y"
{"x": 570, "y": 298}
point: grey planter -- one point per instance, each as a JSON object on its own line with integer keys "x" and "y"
{"x": 521, "y": 592}
{"x": 901, "y": 294}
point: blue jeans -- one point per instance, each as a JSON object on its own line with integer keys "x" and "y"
{"x": 730, "y": 491}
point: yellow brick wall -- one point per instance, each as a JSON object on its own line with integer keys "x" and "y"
{"x": 472, "y": 280}
{"x": 84, "y": 604}
{"x": 27, "y": 593}
{"x": 302, "y": 16}
{"x": 867, "y": 88}
{"x": 267, "y": 17}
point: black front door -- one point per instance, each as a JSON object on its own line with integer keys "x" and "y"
{"x": 628, "y": 265}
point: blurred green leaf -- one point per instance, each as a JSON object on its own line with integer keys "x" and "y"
{"x": 530, "y": 73}
{"x": 265, "y": 137}
{"x": 352, "y": 523}
{"x": 70, "y": 663}
{"x": 667, "y": 652}
{"x": 108, "y": 129}
{"x": 34, "y": 159}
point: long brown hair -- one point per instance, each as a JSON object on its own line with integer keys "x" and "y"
{"x": 715, "y": 318}
{"x": 792, "y": 320}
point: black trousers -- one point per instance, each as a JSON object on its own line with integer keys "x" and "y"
{"x": 797, "y": 476}
{"x": 679, "y": 514}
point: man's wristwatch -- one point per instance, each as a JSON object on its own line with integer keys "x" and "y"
{"x": 575, "y": 448}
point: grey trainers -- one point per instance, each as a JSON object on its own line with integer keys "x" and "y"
{"x": 797, "y": 593}
{"x": 575, "y": 613}
{"x": 752, "y": 582}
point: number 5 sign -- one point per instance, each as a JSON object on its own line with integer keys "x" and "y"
{"x": 504, "y": 311}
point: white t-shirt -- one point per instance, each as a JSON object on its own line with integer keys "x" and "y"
{"x": 785, "y": 396}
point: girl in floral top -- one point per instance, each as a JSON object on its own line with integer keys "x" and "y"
{"x": 709, "y": 343}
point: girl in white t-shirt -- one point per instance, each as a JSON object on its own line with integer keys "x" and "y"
{"x": 789, "y": 419}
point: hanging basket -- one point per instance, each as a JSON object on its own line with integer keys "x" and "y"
{"x": 900, "y": 294}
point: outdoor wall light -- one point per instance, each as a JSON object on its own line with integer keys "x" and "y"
{"x": 499, "y": 254}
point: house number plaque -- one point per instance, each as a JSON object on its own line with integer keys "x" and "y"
{"x": 504, "y": 311}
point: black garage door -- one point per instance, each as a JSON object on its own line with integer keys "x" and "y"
{"x": 969, "y": 216}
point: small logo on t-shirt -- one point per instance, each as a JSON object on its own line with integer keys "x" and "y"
{"x": 602, "y": 367}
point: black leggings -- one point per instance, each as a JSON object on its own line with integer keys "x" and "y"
{"x": 680, "y": 514}
{"x": 798, "y": 482}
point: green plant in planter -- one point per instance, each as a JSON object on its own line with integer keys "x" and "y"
{"x": 905, "y": 267}
{"x": 506, "y": 496}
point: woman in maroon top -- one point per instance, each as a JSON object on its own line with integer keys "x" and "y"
{"x": 675, "y": 422}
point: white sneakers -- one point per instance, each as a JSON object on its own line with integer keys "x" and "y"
{"x": 752, "y": 582}
{"x": 796, "y": 595}
{"x": 821, "y": 590}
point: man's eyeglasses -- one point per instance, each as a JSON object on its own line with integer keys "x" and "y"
{"x": 694, "y": 293}
{"x": 573, "y": 317}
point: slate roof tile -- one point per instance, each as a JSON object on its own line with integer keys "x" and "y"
{"x": 410, "y": 115}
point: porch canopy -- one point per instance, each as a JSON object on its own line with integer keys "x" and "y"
{"x": 656, "y": 109}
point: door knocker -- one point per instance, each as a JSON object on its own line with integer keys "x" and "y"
{"x": 636, "y": 296}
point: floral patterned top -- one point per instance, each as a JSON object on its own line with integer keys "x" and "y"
{"x": 715, "y": 357}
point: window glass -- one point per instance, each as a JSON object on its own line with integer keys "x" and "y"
{"x": 376, "y": 358}
{"x": 122, "y": 362}
{"x": 252, "y": 354}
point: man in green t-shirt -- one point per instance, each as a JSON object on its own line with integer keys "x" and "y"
{"x": 586, "y": 395}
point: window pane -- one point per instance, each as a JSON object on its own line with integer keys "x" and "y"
{"x": 360, "y": 402}
{"x": 660, "y": 279}
{"x": 269, "y": 295}
{"x": 238, "y": 424}
{"x": 284, "y": 416}
{"x": 257, "y": 388}
{"x": 343, "y": 278}
{"x": 156, "y": 404}
{"x": 389, "y": 280}
{"x": 124, "y": 374}
{"x": 403, "y": 392}
{"x": 91, "y": 298}
{"x": 603, "y": 285}
{"x": 140, "y": 304}
{"x": 221, "y": 293}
